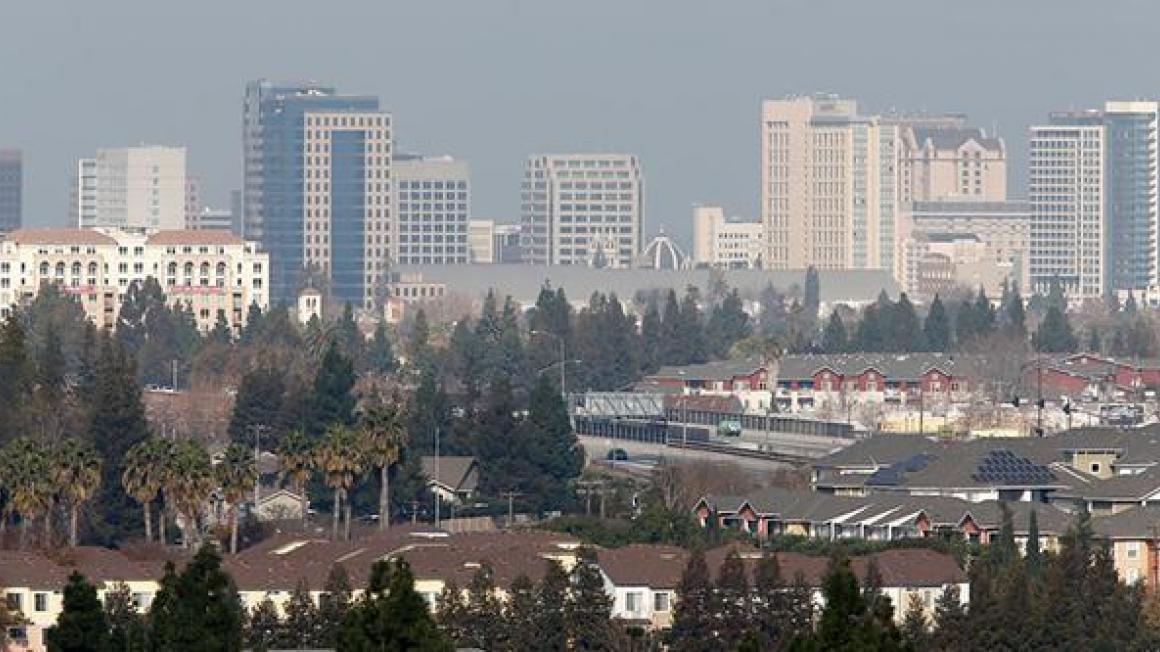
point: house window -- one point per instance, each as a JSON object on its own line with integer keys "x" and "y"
{"x": 1133, "y": 549}
{"x": 1095, "y": 467}
{"x": 632, "y": 602}
{"x": 661, "y": 601}
{"x": 40, "y": 602}
{"x": 14, "y": 602}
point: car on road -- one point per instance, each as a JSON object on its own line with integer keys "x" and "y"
{"x": 617, "y": 455}
{"x": 729, "y": 428}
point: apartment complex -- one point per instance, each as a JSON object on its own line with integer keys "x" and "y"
{"x": 11, "y": 189}
{"x": 317, "y": 186}
{"x": 582, "y": 209}
{"x": 943, "y": 158}
{"x": 140, "y": 187}
{"x": 208, "y": 270}
{"x": 829, "y": 185}
{"x": 1067, "y": 191}
{"x": 433, "y": 205}
{"x": 718, "y": 242}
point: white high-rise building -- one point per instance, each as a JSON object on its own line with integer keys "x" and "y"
{"x": 433, "y": 205}
{"x": 582, "y": 209}
{"x": 132, "y": 187}
{"x": 829, "y": 186}
{"x": 1068, "y": 204}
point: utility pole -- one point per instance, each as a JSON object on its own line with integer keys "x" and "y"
{"x": 510, "y": 495}
{"x": 174, "y": 369}
{"x": 257, "y": 429}
{"x": 1039, "y": 402}
{"x": 414, "y": 512}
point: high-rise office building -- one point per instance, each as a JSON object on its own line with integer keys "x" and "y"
{"x": 582, "y": 209}
{"x": 193, "y": 201}
{"x": 505, "y": 243}
{"x": 829, "y": 186}
{"x": 11, "y": 190}
{"x": 718, "y": 242}
{"x": 432, "y": 207}
{"x": 1068, "y": 200}
{"x": 317, "y": 173}
{"x": 945, "y": 158}
{"x": 140, "y": 187}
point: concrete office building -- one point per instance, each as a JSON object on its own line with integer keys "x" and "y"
{"x": 432, "y": 207}
{"x": 140, "y": 187}
{"x": 317, "y": 195}
{"x": 945, "y": 158}
{"x": 582, "y": 209}
{"x": 211, "y": 219}
{"x": 11, "y": 190}
{"x": 829, "y": 186}
{"x": 718, "y": 242}
{"x": 1003, "y": 229}
{"x": 1067, "y": 191}
{"x": 481, "y": 241}
{"x": 505, "y": 243}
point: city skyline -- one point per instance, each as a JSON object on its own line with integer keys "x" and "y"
{"x": 440, "y": 100}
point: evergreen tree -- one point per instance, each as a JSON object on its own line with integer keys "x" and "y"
{"x": 263, "y": 626}
{"x": 905, "y": 330}
{"x": 333, "y": 605}
{"x": 690, "y": 331}
{"x": 1094, "y": 343}
{"x": 799, "y": 608}
{"x": 391, "y": 616}
{"x": 1033, "y": 557}
{"x": 771, "y": 618}
{"x": 950, "y": 620}
{"x": 258, "y": 403}
{"x": 652, "y": 345}
{"x": 554, "y": 449}
{"x": 868, "y": 336}
{"x": 834, "y": 336}
{"x": 984, "y": 314}
{"x": 451, "y": 614}
{"x": 694, "y": 616}
{"x": 847, "y": 622}
{"x": 937, "y": 328}
{"x": 301, "y": 628}
{"x": 735, "y": 616}
{"x": 519, "y": 616}
{"x": 16, "y": 372}
{"x": 198, "y": 610}
{"x": 728, "y": 324}
{"x": 672, "y": 349}
{"x": 967, "y": 323}
{"x": 348, "y": 336}
{"x": 221, "y": 333}
{"x": 421, "y": 356}
{"x": 126, "y": 626}
{"x": 589, "y": 609}
{"x": 812, "y": 292}
{"x": 1014, "y": 315}
{"x": 81, "y": 626}
{"x": 915, "y": 630}
{"x": 483, "y": 625}
{"x": 1054, "y": 334}
{"x": 380, "y": 356}
{"x": 551, "y": 617}
{"x": 333, "y": 400}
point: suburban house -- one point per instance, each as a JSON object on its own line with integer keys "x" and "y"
{"x": 453, "y": 478}
{"x": 1134, "y": 537}
{"x": 1094, "y": 374}
{"x": 278, "y": 504}
{"x": 642, "y": 579}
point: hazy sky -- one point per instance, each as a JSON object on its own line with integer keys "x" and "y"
{"x": 677, "y": 82}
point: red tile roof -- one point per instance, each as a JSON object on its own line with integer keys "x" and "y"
{"x": 59, "y": 236}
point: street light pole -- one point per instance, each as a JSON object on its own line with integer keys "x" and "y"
{"x": 435, "y": 484}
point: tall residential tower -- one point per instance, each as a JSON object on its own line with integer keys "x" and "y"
{"x": 317, "y": 168}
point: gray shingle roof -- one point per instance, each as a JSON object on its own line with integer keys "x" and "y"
{"x": 950, "y": 138}
{"x": 1125, "y": 487}
{"x": 901, "y": 366}
{"x": 878, "y": 450}
{"x": 1138, "y": 522}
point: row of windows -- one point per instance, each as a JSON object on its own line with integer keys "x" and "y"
{"x": 433, "y": 185}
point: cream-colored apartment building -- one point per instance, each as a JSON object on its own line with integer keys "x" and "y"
{"x": 829, "y": 186}
{"x": 718, "y": 242}
{"x": 207, "y": 270}
{"x": 1001, "y": 229}
{"x": 582, "y": 209}
{"x": 945, "y": 159}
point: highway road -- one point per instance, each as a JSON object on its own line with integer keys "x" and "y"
{"x": 640, "y": 453}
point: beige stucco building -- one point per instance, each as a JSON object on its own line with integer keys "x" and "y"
{"x": 718, "y": 242}
{"x": 208, "y": 270}
{"x": 829, "y": 185}
{"x": 944, "y": 158}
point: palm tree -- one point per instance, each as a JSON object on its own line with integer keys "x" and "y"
{"x": 296, "y": 462}
{"x": 383, "y": 436}
{"x": 188, "y": 484}
{"x": 77, "y": 474}
{"x": 237, "y": 475}
{"x": 338, "y": 458}
{"x": 28, "y": 481}
{"x": 144, "y": 475}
